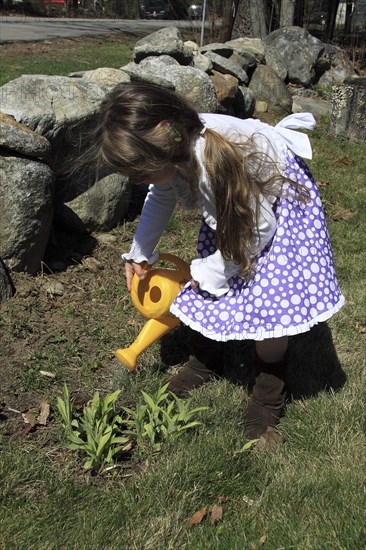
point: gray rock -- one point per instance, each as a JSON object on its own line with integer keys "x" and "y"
{"x": 228, "y": 66}
{"x": 17, "y": 137}
{"x": 49, "y": 104}
{"x": 268, "y": 87}
{"x": 317, "y": 106}
{"x": 26, "y": 209}
{"x": 334, "y": 66}
{"x": 245, "y": 45}
{"x": 202, "y": 62}
{"x": 106, "y": 77}
{"x": 166, "y": 60}
{"x": 299, "y": 52}
{"x": 191, "y": 46}
{"x": 99, "y": 207}
{"x": 275, "y": 61}
{"x": 137, "y": 73}
{"x": 246, "y": 60}
{"x": 193, "y": 84}
{"x": 167, "y": 41}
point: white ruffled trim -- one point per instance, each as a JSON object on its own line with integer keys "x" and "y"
{"x": 264, "y": 335}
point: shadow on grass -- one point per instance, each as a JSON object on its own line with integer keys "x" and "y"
{"x": 313, "y": 363}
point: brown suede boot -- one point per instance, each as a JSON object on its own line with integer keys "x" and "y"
{"x": 204, "y": 364}
{"x": 268, "y": 400}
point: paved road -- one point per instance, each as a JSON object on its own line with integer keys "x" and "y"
{"x": 27, "y": 28}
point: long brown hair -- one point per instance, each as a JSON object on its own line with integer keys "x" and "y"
{"x": 239, "y": 175}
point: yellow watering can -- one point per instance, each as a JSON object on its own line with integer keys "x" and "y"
{"x": 153, "y": 297}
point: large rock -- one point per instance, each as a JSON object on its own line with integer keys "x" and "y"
{"x": 268, "y": 87}
{"x": 99, "y": 207}
{"x": 167, "y": 41}
{"x": 191, "y": 83}
{"x": 230, "y": 66}
{"x": 315, "y": 105}
{"x": 298, "y": 51}
{"x": 26, "y": 209}
{"x": 202, "y": 62}
{"x": 275, "y": 61}
{"x": 334, "y": 66}
{"x": 49, "y": 104}
{"x": 107, "y": 77}
{"x": 245, "y": 45}
{"x": 17, "y": 137}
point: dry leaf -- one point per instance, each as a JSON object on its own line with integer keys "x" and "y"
{"x": 269, "y": 439}
{"x": 44, "y": 413}
{"x": 216, "y": 513}
{"x": 360, "y": 328}
{"x": 29, "y": 418}
{"x": 30, "y": 421}
{"x": 344, "y": 160}
{"x": 263, "y": 539}
{"x": 198, "y": 517}
{"x": 341, "y": 214}
{"x": 47, "y": 373}
{"x": 322, "y": 183}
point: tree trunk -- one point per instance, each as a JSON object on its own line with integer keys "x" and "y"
{"x": 299, "y": 13}
{"x": 348, "y": 21}
{"x": 251, "y": 19}
{"x": 228, "y": 20}
{"x": 331, "y": 19}
{"x": 287, "y": 13}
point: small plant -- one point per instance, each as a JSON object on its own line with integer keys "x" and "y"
{"x": 101, "y": 434}
{"x": 162, "y": 418}
{"x": 97, "y": 432}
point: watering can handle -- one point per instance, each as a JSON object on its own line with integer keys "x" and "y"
{"x": 179, "y": 263}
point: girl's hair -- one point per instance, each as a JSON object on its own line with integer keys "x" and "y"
{"x": 142, "y": 128}
{"x": 240, "y": 174}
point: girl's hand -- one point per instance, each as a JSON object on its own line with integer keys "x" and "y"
{"x": 132, "y": 268}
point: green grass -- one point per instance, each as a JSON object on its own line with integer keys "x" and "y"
{"x": 65, "y": 56}
{"x": 309, "y": 494}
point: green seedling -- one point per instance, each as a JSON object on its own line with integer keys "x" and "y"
{"x": 161, "y": 418}
{"x": 97, "y": 433}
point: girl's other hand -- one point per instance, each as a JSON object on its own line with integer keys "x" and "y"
{"x": 194, "y": 284}
{"x": 132, "y": 268}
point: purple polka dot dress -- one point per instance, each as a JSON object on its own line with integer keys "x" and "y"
{"x": 294, "y": 285}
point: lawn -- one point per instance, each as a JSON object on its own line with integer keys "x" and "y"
{"x": 310, "y": 493}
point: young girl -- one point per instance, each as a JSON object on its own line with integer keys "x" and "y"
{"x": 264, "y": 269}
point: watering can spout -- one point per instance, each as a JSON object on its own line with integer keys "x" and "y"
{"x": 153, "y": 297}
